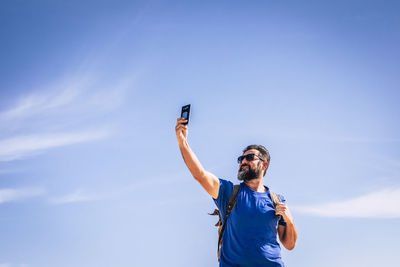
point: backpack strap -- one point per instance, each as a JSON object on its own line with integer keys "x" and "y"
{"x": 229, "y": 208}
{"x": 275, "y": 200}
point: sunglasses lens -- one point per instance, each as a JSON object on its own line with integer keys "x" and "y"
{"x": 250, "y": 157}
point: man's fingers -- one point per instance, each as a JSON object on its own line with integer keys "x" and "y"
{"x": 283, "y": 210}
{"x": 181, "y": 120}
{"x": 181, "y": 127}
{"x": 280, "y": 209}
{"x": 281, "y": 206}
{"x": 279, "y": 213}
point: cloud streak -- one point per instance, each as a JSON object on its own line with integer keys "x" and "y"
{"x": 78, "y": 95}
{"x": 77, "y": 196}
{"x": 81, "y": 195}
{"x": 58, "y": 95}
{"x": 67, "y": 112}
{"x": 33, "y": 104}
{"x": 22, "y": 146}
{"x": 381, "y": 204}
{"x": 318, "y": 135}
{"x": 13, "y": 195}
{"x": 13, "y": 265}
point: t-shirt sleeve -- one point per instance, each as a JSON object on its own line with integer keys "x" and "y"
{"x": 282, "y": 221}
{"x": 224, "y": 194}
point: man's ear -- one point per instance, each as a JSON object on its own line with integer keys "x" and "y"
{"x": 265, "y": 163}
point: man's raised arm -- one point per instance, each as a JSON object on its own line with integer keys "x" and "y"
{"x": 208, "y": 180}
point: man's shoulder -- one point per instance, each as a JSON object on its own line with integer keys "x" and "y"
{"x": 273, "y": 192}
{"x": 225, "y": 183}
{"x": 225, "y": 190}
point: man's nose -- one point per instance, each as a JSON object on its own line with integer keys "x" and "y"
{"x": 244, "y": 161}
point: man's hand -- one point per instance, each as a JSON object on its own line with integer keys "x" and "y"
{"x": 181, "y": 130}
{"x": 283, "y": 210}
{"x": 287, "y": 234}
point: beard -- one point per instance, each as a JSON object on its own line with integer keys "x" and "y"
{"x": 249, "y": 174}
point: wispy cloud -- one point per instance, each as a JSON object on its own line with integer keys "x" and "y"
{"x": 61, "y": 114}
{"x": 381, "y": 204}
{"x": 21, "y": 146}
{"x": 13, "y": 265}
{"x": 76, "y": 196}
{"x": 110, "y": 193}
{"x": 35, "y": 103}
{"x": 319, "y": 135}
{"x": 9, "y": 171}
{"x": 12, "y": 195}
{"x": 82, "y": 94}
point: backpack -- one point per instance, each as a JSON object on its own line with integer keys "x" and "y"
{"x": 231, "y": 204}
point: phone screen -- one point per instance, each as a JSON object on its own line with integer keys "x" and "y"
{"x": 185, "y": 113}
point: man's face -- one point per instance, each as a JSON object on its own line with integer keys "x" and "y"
{"x": 249, "y": 170}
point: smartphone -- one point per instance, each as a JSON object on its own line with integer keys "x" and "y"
{"x": 185, "y": 113}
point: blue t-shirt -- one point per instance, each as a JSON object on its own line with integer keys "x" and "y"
{"x": 250, "y": 237}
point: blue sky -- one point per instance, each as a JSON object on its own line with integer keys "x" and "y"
{"x": 90, "y": 171}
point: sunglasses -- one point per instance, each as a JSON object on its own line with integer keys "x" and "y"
{"x": 248, "y": 157}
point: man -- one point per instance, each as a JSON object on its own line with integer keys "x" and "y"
{"x": 250, "y": 237}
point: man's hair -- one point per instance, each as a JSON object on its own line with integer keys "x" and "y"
{"x": 264, "y": 153}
